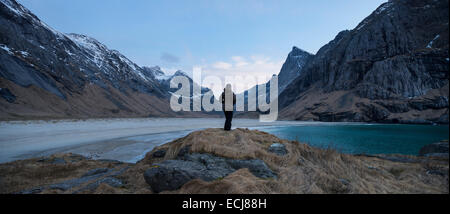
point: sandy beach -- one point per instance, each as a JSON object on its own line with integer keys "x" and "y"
{"x": 119, "y": 139}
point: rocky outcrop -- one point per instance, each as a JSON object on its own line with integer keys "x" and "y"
{"x": 395, "y": 62}
{"x": 172, "y": 174}
{"x": 439, "y": 149}
{"x": 278, "y": 149}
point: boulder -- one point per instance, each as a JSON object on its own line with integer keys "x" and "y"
{"x": 434, "y": 148}
{"x": 159, "y": 154}
{"x": 172, "y": 174}
{"x": 255, "y": 166}
{"x": 278, "y": 149}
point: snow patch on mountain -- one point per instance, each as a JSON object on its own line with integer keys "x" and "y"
{"x": 17, "y": 9}
{"x": 383, "y": 7}
{"x": 430, "y": 44}
{"x": 6, "y": 48}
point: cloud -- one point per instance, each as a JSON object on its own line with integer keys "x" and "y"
{"x": 167, "y": 57}
{"x": 257, "y": 67}
{"x": 222, "y": 65}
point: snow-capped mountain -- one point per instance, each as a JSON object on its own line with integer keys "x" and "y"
{"x": 164, "y": 80}
{"x": 53, "y": 74}
{"x": 156, "y": 72}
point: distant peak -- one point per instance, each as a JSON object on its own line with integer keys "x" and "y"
{"x": 153, "y": 68}
{"x": 295, "y": 48}
{"x": 180, "y": 73}
{"x": 156, "y": 68}
{"x": 383, "y": 7}
{"x": 298, "y": 51}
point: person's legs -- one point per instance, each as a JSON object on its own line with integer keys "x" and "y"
{"x": 228, "y": 118}
{"x": 231, "y": 118}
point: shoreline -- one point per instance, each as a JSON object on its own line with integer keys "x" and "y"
{"x": 119, "y": 139}
{"x": 63, "y": 119}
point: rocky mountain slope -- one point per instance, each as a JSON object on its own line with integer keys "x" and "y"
{"x": 291, "y": 69}
{"x": 393, "y": 67}
{"x": 48, "y": 74}
{"x": 240, "y": 161}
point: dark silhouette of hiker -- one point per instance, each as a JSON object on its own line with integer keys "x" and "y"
{"x": 228, "y": 99}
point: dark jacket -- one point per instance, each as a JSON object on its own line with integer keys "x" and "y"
{"x": 222, "y": 98}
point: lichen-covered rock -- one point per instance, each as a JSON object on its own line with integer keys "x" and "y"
{"x": 278, "y": 149}
{"x": 172, "y": 174}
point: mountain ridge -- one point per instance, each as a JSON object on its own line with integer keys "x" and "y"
{"x": 379, "y": 71}
{"x": 88, "y": 78}
{"x": 392, "y": 67}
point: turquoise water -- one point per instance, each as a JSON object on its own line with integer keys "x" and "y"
{"x": 364, "y": 138}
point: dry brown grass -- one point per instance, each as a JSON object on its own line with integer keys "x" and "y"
{"x": 26, "y": 174}
{"x": 304, "y": 169}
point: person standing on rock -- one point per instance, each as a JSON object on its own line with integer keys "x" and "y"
{"x": 228, "y": 99}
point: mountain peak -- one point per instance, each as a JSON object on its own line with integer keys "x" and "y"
{"x": 156, "y": 72}
{"x": 157, "y": 68}
{"x": 298, "y": 52}
{"x": 180, "y": 73}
